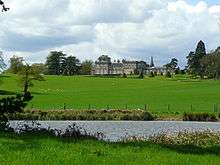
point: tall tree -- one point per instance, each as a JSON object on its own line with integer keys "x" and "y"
{"x": 16, "y": 64}
{"x": 54, "y": 63}
{"x": 194, "y": 60}
{"x": 70, "y": 65}
{"x": 86, "y": 67}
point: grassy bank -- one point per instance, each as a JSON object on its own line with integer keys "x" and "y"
{"x": 160, "y": 95}
{"x": 42, "y": 149}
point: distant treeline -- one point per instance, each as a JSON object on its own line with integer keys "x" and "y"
{"x": 57, "y": 63}
{"x": 199, "y": 64}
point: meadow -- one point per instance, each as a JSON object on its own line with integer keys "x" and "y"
{"x": 159, "y": 95}
{"x": 42, "y": 149}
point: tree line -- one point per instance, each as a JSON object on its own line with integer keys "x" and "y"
{"x": 199, "y": 64}
{"x": 57, "y": 63}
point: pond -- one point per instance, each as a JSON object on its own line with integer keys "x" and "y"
{"x": 120, "y": 130}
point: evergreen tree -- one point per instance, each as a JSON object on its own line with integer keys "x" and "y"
{"x": 54, "y": 63}
{"x": 194, "y": 64}
{"x": 70, "y": 66}
{"x": 199, "y": 54}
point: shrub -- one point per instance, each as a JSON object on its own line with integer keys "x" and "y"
{"x": 168, "y": 75}
{"x": 199, "y": 117}
{"x": 124, "y": 75}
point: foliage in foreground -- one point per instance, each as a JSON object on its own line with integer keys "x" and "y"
{"x": 204, "y": 138}
{"x": 83, "y": 115}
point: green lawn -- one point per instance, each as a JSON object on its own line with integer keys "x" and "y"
{"x": 37, "y": 150}
{"x": 78, "y": 92}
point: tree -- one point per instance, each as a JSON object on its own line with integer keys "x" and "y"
{"x": 12, "y": 105}
{"x": 70, "y": 66}
{"x": 39, "y": 68}
{"x": 86, "y": 67}
{"x": 199, "y": 54}
{"x": 26, "y": 77}
{"x": 104, "y": 58}
{"x": 195, "y": 66}
{"x": 141, "y": 76}
{"x": 54, "y": 63}
{"x": 16, "y": 64}
{"x": 211, "y": 64}
{"x": 172, "y": 65}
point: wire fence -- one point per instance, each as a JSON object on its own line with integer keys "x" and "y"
{"x": 162, "y": 108}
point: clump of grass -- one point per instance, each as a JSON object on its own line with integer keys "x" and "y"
{"x": 138, "y": 115}
{"x": 200, "y": 117}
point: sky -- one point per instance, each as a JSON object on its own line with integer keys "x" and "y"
{"x": 122, "y": 29}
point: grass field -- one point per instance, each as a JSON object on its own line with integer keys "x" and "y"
{"x": 33, "y": 149}
{"x": 162, "y": 95}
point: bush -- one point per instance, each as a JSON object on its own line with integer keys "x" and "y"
{"x": 199, "y": 117}
{"x": 124, "y": 75}
{"x": 168, "y": 75}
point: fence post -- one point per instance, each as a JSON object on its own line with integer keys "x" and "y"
{"x": 191, "y": 107}
{"x": 64, "y": 106}
{"x": 89, "y": 106}
{"x": 145, "y": 107}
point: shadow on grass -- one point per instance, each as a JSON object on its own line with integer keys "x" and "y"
{"x": 183, "y": 149}
{"x": 3, "y": 92}
{"x": 16, "y": 142}
{"x": 192, "y": 149}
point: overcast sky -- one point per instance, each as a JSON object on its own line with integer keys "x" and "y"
{"x": 130, "y": 29}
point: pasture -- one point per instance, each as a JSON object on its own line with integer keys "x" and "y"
{"x": 160, "y": 95}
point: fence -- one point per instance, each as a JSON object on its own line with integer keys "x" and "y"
{"x": 158, "y": 108}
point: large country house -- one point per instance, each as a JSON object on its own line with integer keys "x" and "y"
{"x": 104, "y": 66}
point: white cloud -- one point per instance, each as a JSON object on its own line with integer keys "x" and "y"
{"x": 133, "y": 29}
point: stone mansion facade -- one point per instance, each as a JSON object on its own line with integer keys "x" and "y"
{"x": 104, "y": 66}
